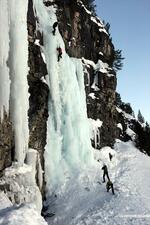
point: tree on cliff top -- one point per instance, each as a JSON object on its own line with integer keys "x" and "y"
{"x": 140, "y": 117}
{"x": 118, "y": 64}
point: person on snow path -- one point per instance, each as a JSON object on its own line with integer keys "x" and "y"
{"x": 59, "y": 50}
{"x": 109, "y": 186}
{"x": 105, "y": 173}
{"x": 110, "y": 156}
{"x": 54, "y": 27}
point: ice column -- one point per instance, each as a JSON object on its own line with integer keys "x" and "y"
{"x": 18, "y": 58}
{"x": 4, "y": 51}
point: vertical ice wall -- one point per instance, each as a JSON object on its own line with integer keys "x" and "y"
{"x": 68, "y": 140}
{"x": 4, "y": 51}
{"x": 18, "y": 58}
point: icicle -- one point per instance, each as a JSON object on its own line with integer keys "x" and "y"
{"x": 18, "y": 58}
{"x": 4, "y": 50}
{"x": 95, "y": 131}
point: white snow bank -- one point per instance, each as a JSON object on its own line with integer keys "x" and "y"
{"x": 20, "y": 215}
{"x": 22, "y": 185}
{"x": 4, "y": 201}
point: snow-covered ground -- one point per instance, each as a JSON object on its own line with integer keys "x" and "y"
{"x": 18, "y": 215}
{"x": 84, "y": 200}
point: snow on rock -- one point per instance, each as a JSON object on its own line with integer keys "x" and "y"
{"x": 43, "y": 79}
{"x": 43, "y": 56}
{"x": 20, "y": 215}
{"x": 101, "y": 53}
{"x": 81, "y": 3}
{"x": 110, "y": 75}
{"x": 100, "y": 66}
{"x": 119, "y": 125}
{"x": 4, "y": 52}
{"x": 37, "y": 42}
{"x": 126, "y": 115}
{"x": 20, "y": 186}
{"x": 89, "y": 62}
{"x": 131, "y": 133}
{"x": 119, "y": 110}
{"x": 18, "y": 65}
{"x": 92, "y": 95}
{"x": 4, "y": 201}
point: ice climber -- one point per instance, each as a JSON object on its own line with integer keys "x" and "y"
{"x": 59, "y": 50}
{"x": 105, "y": 173}
{"x": 109, "y": 186}
{"x": 54, "y": 27}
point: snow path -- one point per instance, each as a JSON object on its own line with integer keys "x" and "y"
{"x": 84, "y": 201}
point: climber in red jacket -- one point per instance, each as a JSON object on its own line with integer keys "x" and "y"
{"x": 59, "y": 50}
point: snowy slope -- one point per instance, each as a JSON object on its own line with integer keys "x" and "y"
{"x": 85, "y": 200}
{"x": 18, "y": 215}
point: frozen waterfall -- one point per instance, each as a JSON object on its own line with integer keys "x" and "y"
{"x": 68, "y": 147}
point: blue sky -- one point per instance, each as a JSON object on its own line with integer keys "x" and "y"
{"x": 130, "y": 31}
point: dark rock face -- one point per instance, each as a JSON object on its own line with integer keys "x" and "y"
{"x": 103, "y": 108}
{"x": 83, "y": 38}
{"x": 81, "y": 34}
{"x": 38, "y": 100}
{"x": 6, "y": 143}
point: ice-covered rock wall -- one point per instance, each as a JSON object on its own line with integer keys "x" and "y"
{"x": 68, "y": 146}
{"x": 86, "y": 37}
